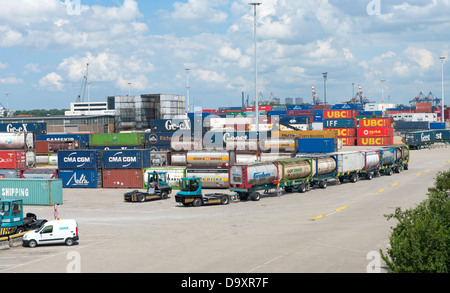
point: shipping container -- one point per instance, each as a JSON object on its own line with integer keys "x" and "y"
{"x": 159, "y": 148}
{"x": 207, "y": 158}
{"x": 79, "y": 159}
{"x": 437, "y": 125}
{"x": 171, "y": 125}
{"x": 348, "y": 141}
{"x": 117, "y": 139}
{"x": 380, "y": 122}
{"x": 339, "y": 114}
{"x": 13, "y": 159}
{"x": 350, "y": 162}
{"x": 16, "y": 141}
{"x": 411, "y": 125}
{"x": 80, "y": 178}
{"x": 299, "y": 107}
{"x": 9, "y": 173}
{"x": 295, "y": 120}
{"x": 344, "y": 107}
{"x": 39, "y": 174}
{"x": 316, "y": 145}
{"x": 375, "y": 131}
{"x": 270, "y": 157}
{"x": 186, "y": 144}
{"x": 374, "y": 141}
{"x": 126, "y": 159}
{"x": 82, "y": 138}
{"x": 343, "y": 132}
{"x": 36, "y": 192}
{"x": 308, "y": 113}
{"x": 37, "y": 128}
{"x": 280, "y": 145}
{"x": 418, "y": 139}
{"x": 339, "y": 123}
{"x": 46, "y": 147}
{"x": 122, "y": 178}
{"x": 442, "y": 135}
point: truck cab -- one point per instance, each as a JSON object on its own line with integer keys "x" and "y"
{"x": 191, "y": 194}
{"x": 11, "y": 216}
{"x": 12, "y": 220}
{"x": 157, "y": 188}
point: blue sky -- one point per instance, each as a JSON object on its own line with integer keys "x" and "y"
{"x": 44, "y": 48}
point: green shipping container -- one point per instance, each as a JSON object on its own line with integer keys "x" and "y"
{"x": 117, "y": 139}
{"x": 34, "y": 192}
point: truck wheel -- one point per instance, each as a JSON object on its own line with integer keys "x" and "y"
{"x": 225, "y": 200}
{"x": 255, "y": 196}
{"x": 164, "y": 194}
{"x": 32, "y": 243}
{"x": 141, "y": 198}
{"x": 323, "y": 184}
{"x": 197, "y": 202}
{"x": 302, "y": 188}
{"x": 20, "y": 230}
{"x": 69, "y": 242}
{"x": 369, "y": 176}
{"x": 405, "y": 167}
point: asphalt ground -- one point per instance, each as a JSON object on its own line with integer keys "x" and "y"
{"x": 335, "y": 230}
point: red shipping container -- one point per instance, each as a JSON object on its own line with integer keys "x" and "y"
{"x": 386, "y": 131}
{"x": 300, "y": 113}
{"x": 379, "y": 122}
{"x": 375, "y": 141}
{"x": 339, "y": 114}
{"x": 42, "y": 147}
{"x": 344, "y": 132}
{"x": 122, "y": 178}
{"x": 13, "y": 159}
{"x": 348, "y": 141}
{"x": 212, "y": 111}
{"x": 322, "y": 107}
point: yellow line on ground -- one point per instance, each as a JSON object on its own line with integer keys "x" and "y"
{"x": 343, "y": 208}
{"x": 444, "y": 164}
{"x": 380, "y": 191}
{"x": 395, "y": 184}
{"x": 316, "y": 218}
{"x": 427, "y": 171}
{"x": 418, "y": 175}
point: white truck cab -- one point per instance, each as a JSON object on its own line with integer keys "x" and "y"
{"x": 53, "y": 232}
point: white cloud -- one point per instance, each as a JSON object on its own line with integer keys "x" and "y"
{"x": 423, "y": 57}
{"x": 4, "y": 65}
{"x": 198, "y": 10}
{"x": 51, "y": 82}
{"x": 10, "y": 80}
{"x": 209, "y": 76}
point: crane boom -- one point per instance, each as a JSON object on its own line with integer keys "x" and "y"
{"x": 83, "y": 85}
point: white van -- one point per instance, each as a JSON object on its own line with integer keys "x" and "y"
{"x": 53, "y": 232}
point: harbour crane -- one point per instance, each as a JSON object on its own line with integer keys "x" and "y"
{"x": 83, "y": 85}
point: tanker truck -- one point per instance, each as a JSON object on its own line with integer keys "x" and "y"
{"x": 247, "y": 179}
{"x": 325, "y": 168}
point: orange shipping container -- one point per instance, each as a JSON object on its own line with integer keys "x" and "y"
{"x": 343, "y": 132}
{"x": 339, "y": 114}
{"x": 380, "y": 122}
{"x": 375, "y": 141}
{"x": 375, "y": 131}
{"x": 122, "y": 178}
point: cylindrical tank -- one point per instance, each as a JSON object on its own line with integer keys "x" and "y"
{"x": 280, "y": 144}
{"x": 210, "y": 178}
{"x": 207, "y": 159}
{"x": 246, "y": 158}
{"x": 186, "y": 144}
{"x": 270, "y": 157}
{"x": 31, "y": 159}
{"x": 242, "y": 145}
{"x": 178, "y": 159}
{"x": 42, "y": 160}
{"x": 20, "y": 140}
{"x": 325, "y": 166}
{"x": 405, "y": 153}
{"x": 293, "y": 170}
{"x": 53, "y": 159}
{"x": 387, "y": 156}
{"x": 372, "y": 159}
{"x": 257, "y": 174}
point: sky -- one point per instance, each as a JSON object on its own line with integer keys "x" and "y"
{"x": 144, "y": 47}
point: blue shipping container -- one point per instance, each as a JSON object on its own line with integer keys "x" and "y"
{"x": 339, "y": 123}
{"x": 412, "y": 125}
{"x": 276, "y": 113}
{"x": 80, "y": 178}
{"x": 79, "y": 159}
{"x": 37, "y": 128}
{"x": 317, "y": 119}
{"x": 316, "y": 145}
{"x": 295, "y": 120}
{"x": 442, "y": 135}
{"x": 126, "y": 159}
{"x": 83, "y": 138}
{"x": 159, "y": 148}
{"x": 300, "y": 107}
{"x": 437, "y": 125}
{"x": 318, "y": 112}
{"x": 344, "y": 107}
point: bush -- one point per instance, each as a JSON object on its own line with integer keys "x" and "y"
{"x": 420, "y": 243}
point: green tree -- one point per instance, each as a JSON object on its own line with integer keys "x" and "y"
{"x": 420, "y": 242}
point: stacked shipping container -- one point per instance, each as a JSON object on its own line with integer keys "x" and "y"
{"x": 343, "y": 122}
{"x": 80, "y": 168}
{"x": 375, "y": 132}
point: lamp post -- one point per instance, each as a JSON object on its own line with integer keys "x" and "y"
{"x": 187, "y": 87}
{"x": 325, "y": 75}
{"x": 382, "y": 93}
{"x": 255, "y": 4}
{"x": 443, "y": 101}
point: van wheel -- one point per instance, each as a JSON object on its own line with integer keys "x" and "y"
{"x": 69, "y": 241}
{"x": 32, "y": 243}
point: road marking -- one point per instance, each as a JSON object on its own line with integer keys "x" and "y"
{"x": 395, "y": 184}
{"x": 316, "y": 218}
{"x": 444, "y": 164}
{"x": 427, "y": 171}
{"x": 340, "y": 209}
{"x": 418, "y": 175}
{"x": 380, "y": 191}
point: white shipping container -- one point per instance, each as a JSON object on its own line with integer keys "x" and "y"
{"x": 317, "y": 126}
{"x": 415, "y": 117}
{"x": 350, "y": 161}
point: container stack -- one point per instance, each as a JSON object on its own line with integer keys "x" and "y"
{"x": 343, "y": 122}
{"x": 16, "y": 152}
{"x": 124, "y": 168}
{"x": 80, "y": 168}
{"x": 375, "y": 132}
{"x": 48, "y": 145}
